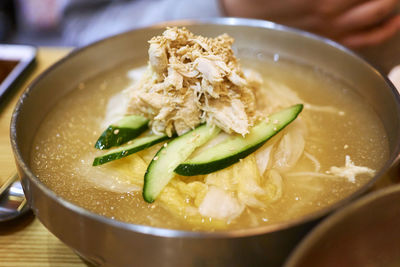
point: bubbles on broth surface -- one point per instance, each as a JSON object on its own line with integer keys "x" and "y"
{"x": 64, "y": 147}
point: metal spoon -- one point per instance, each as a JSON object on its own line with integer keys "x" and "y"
{"x": 12, "y": 199}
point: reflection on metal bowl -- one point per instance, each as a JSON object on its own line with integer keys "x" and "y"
{"x": 104, "y": 241}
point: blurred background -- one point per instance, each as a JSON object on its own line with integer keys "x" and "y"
{"x": 80, "y": 22}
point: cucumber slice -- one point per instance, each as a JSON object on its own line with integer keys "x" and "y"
{"x": 235, "y": 148}
{"x": 126, "y": 150}
{"x": 161, "y": 169}
{"x": 122, "y": 131}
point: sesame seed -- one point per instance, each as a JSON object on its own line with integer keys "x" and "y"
{"x": 346, "y": 146}
{"x": 116, "y": 131}
{"x": 275, "y": 129}
{"x": 275, "y": 122}
{"x": 341, "y": 113}
{"x": 166, "y": 144}
{"x": 155, "y": 158}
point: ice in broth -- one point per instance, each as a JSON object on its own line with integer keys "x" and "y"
{"x": 333, "y": 148}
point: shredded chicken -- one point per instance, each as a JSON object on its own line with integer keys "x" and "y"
{"x": 350, "y": 170}
{"x": 192, "y": 79}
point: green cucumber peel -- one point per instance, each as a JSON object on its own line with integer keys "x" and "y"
{"x": 237, "y": 147}
{"x": 161, "y": 169}
{"x": 133, "y": 146}
{"x": 122, "y": 131}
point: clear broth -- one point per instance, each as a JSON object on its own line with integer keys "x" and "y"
{"x": 70, "y": 130}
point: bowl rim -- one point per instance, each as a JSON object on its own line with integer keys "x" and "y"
{"x": 174, "y": 233}
{"x": 334, "y": 219}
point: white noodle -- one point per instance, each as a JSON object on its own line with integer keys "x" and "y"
{"x": 310, "y": 174}
{"x": 289, "y": 149}
{"x": 309, "y": 187}
{"x": 253, "y": 218}
{"x": 263, "y": 157}
{"x": 314, "y": 161}
{"x": 275, "y": 178}
{"x": 328, "y": 109}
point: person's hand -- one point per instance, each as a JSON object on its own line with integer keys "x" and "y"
{"x": 354, "y": 23}
{"x": 394, "y": 77}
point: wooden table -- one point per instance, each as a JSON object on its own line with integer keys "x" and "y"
{"x": 25, "y": 242}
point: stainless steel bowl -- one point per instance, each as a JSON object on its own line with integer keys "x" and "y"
{"x": 104, "y": 241}
{"x": 365, "y": 233}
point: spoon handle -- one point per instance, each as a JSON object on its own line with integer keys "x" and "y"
{"x": 8, "y": 183}
{"x": 12, "y": 199}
